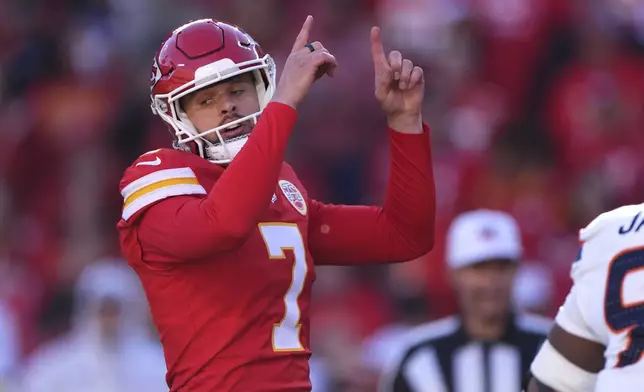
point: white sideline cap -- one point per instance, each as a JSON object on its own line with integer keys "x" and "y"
{"x": 481, "y": 235}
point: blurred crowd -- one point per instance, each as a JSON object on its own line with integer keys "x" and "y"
{"x": 535, "y": 108}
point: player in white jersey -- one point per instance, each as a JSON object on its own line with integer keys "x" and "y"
{"x": 597, "y": 341}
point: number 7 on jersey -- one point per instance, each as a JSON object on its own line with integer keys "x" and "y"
{"x": 278, "y": 238}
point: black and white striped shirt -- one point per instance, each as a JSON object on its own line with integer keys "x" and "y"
{"x": 440, "y": 357}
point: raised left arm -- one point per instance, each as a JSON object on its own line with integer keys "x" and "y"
{"x": 402, "y": 229}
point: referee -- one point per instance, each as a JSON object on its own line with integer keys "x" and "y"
{"x": 487, "y": 347}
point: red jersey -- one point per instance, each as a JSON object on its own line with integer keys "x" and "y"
{"x": 226, "y": 256}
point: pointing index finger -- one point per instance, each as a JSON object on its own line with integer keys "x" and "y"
{"x": 377, "y": 51}
{"x": 303, "y": 37}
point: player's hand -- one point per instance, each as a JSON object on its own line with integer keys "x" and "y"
{"x": 400, "y": 87}
{"x": 303, "y": 67}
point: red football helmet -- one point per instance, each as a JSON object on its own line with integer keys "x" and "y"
{"x": 199, "y": 54}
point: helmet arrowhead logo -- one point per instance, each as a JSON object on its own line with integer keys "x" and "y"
{"x": 156, "y": 74}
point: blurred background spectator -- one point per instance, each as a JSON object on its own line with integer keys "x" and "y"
{"x": 9, "y": 343}
{"x": 535, "y": 108}
{"x": 110, "y": 346}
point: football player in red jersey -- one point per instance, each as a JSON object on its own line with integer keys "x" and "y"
{"x": 220, "y": 230}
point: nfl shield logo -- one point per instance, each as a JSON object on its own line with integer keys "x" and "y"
{"x": 488, "y": 234}
{"x": 294, "y": 196}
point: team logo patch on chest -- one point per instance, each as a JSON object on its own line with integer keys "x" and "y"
{"x": 293, "y": 196}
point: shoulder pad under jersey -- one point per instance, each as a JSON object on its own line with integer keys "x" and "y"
{"x": 598, "y": 239}
{"x": 157, "y": 175}
{"x": 607, "y": 219}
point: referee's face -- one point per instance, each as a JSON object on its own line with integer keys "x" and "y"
{"x": 484, "y": 289}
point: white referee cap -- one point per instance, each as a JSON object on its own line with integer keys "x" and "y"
{"x": 481, "y": 235}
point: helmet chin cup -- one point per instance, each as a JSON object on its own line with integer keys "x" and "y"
{"x": 223, "y": 154}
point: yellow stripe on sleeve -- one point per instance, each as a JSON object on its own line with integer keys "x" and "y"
{"x": 158, "y": 185}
